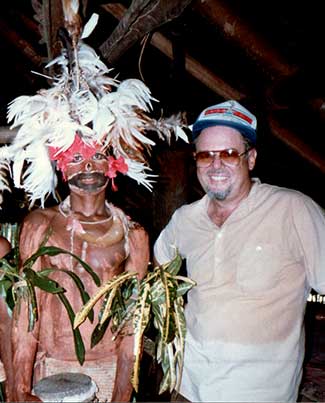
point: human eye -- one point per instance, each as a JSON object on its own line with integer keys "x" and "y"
{"x": 77, "y": 158}
{"x": 204, "y": 158}
{"x": 230, "y": 156}
{"x": 230, "y": 153}
{"x": 99, "y": 157}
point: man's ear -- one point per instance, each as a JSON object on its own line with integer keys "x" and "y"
{"x": 252, "y": 154}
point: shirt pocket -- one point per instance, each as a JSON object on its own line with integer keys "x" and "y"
{"x": 259, "y": 268}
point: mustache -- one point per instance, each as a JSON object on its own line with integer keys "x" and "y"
{"x": 217, "y": 172}
{"x": 86, "y": 175}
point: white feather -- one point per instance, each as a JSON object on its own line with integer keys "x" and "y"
{"x": 89, "y": 27}
{"x": 83, "y": 106}
{"x": 103, "y": 121}
{"x": 39, "y": 179}
{"x": 138, "y": 172}
{"x": 135, "y": 93}
{"x": 166, "y": 127}
{"x": 86, "y": 100}
{"x": 17, "y": 167}
{"x": 23, "y": 107}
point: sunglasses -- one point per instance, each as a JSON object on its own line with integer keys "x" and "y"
{"x": 229, "y": 156}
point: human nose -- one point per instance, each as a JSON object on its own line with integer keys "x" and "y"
{"x": 88, "y": 166}
{"x": 216, "y": 162}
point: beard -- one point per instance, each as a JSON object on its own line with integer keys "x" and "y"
{"x": 218, "y": 195}
{"x": 98, "y": 180}
{"x": 216, "y": 191}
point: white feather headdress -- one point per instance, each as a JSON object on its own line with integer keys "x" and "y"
{"x": 83, "y": 99}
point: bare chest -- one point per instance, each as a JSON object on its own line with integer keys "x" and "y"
{"x": 106, "y": 260}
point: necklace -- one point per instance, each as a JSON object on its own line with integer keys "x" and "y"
{"x": 115, "y": 233}
{"x": 65, "y": 210}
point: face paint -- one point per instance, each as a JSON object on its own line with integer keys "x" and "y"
{"x": 85, "y": 152}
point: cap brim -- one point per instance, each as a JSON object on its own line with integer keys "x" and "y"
{"x": 247, "y": 132}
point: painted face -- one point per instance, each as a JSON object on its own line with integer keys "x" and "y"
{"x": 88, "y": 173}
{"x": 87, "y": 160}
{"x": 222, "y": 180}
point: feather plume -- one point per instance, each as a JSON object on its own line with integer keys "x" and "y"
{"x": 39, "y": 178}
{"x": 90, "y": 26}
{"x": 166, "y": 127}
{"x": 138, "y": 172}
{"x": 85, "y": 100}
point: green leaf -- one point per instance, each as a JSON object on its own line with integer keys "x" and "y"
{"x": 53, "y": 251}
{"x": 140, "y": 322}
{"x": 158, "y": 316}
{"x": 7, "y": 268}
{"x": 165, "y": 333}
{"x": 179, "y": 341}
{"x": 172, "y": 328}
{"x": 106, "y": 312}
{"x": 157, "y": 293}
{"x": 9, "y": 299}
{"x": 122, "y": 317}
{"x": 98, "y": 333}
{"x": 78, "y": 342}
{"x": 185, "y": 286}
{"x": 174, "y": 266}
{"x": 102, "y": 290}
{"x": 32, "y": 306}
{"x": 42, "y": 282}
{"x": 5, "y": 285}
{"x": 172, "y": 367}
{"x": 164, "y": 384}
{"x": 80, "y": 286}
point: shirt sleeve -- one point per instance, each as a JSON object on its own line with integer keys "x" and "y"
{"x": 309, "y": 221}
{"x": 166, "y": 245}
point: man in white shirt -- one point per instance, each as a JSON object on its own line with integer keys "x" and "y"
{"x": 255, "y": 251}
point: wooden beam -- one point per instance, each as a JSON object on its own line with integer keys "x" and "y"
{"x": 49, "y": 14}
{"x": 193, "y": 67}
{"x": 235, "y": 29}
{"x": 21, "y": 44}
{"x": 301, "y": 148}
{"x": 141, "y": 18}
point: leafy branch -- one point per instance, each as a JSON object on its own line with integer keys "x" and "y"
{"x": 18, "y": 284}
{"x": 129, "y": 303}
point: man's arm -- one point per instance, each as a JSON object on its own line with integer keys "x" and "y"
{"x": 164, "y": 249}
{"x": 137, "y": 261}
{"x": 139, "y": 254}
{"x": 24, "y": 343}
{"x": 309, "y": 225}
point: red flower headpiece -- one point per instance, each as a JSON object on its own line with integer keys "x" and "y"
{"x": 114, "y": 166}
{"x": 63, "y": 158}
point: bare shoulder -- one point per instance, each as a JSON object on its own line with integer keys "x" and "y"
{"x": 40, "y": 216}
{"x": 34, "y": 229}
{"x": 137, "y": 234}
{"x": 135, "y": 226}
{"x": 37, "y": 223}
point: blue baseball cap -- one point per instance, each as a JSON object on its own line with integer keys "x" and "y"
{"x": 229, "y": 113}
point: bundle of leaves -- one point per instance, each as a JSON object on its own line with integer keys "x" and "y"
{"x": 19, "y": 284}
{"x": 128, "y": 305}
{"x": 132, "y": 305}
